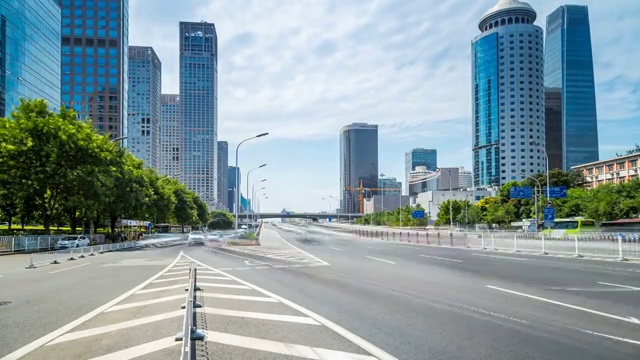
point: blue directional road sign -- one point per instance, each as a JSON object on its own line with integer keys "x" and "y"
{"x": 329, "y": 218}
{"x": 521, "y": 192}
{"x": 549, "y": 216}
{"x": 417, "y": 214}
{"x": 558, "y": 192}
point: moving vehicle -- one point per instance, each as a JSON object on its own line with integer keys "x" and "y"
{"x": 571, "y": 226}
{"x": 196, "y": 239}
{"x": 72, "y": 241}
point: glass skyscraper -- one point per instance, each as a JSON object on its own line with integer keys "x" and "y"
{"x": 233, "y": 173}
{"x": 199, "y": 109}
{"x": 358, "y": 161}
{"x": 170, "y": 135}
{"x": 95, "y": 41}
{"x": 223, "y": 176}
{"x": 145, "y": 110}
{"x": 569, "y": 68}
{"x": 419, "y": 157}
{"x": 508, "y": 95}
{"x": 29, "y": 52}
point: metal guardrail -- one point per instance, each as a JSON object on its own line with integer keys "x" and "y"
{"x": 189, "y": 331}
{"x": 55, "y": 257}
{"x": 9, "y": 244}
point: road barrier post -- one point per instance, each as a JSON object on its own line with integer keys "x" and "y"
{"x": 55, "y": 258}
{"x": 515, "y": 243}
{"x": 544, "y": 252}
{"x": 92, "y": 253}
{"x": 427, "y": 236}
{"x": 439, "y": 244}
{"x": 81, "y": 254}
{"x": 71, "y": 255}
{"x": 577, "y": 254}
{"x": 189, "y": 331}
{"x": 620, "y": 257}
{"x": 101, "y": 249}
{"x": 31, "y": 266}
{"x": 493, "y": 242}
{"x": 451, "y": 238}
{"x": 482, "y": 241}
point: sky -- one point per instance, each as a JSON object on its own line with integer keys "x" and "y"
{"x": 302, "y": 69}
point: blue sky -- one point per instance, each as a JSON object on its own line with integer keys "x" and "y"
{"x": 302, "y": 69}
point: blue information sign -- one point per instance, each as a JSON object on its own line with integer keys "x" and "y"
{"x": 521, "y": 192}
{"x": 549, "y": 216}
{"x": 329, "y": 218}
{"x": 417, "y": 214}
{"x": 558, "y": 192}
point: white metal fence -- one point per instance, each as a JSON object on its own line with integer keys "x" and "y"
{"x": 55, "y": 257}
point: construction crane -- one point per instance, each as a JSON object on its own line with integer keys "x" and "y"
{"x": 361, "y": 190}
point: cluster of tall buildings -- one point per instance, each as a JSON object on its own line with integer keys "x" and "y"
{"x": 76, "y": 53}
{"x": 533, "y": 93}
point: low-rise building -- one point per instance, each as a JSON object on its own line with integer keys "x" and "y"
{"x": 431, "y": 200}
{"x": 611, "y": 171}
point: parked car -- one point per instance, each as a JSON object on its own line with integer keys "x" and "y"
{"x": 72, "y": 241}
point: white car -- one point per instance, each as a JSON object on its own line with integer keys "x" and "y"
{"x": 196, "y": 239}
{"x": 72, "y": 241}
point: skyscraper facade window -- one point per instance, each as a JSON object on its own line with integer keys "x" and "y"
{"x": 419, "y": 157}
{"x": 223, "y": 176}
{"x": 170, "y": 135}
{"x": 508, "y": 95}
{"x": 569, "y": 68}
{"x": 95, "y": 41}
{"x": 145, "y": 109}
{"x": 199, "y": 109}
{"x": 358, "y": 162}
{"x": 233, "y": 174}
{"x": 29, "y": 53}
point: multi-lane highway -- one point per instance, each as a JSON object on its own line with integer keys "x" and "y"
{"x": 310, "y": 292}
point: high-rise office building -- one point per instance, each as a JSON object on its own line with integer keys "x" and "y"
{"x": 465, "y": 179}
{"x": 29, "y": 53}
{"x": 553, "y": 126}
{"x": 223, "y": 176}
{"x": 170, "y": 135}
{"x": 358, "y": 162}
{"x": 391, "y": 186}
{"x": 199, "y": 109}
{"x": 419, "y": 157}
{"x": 145, "y": 109}
{"x": 569, "y": 68}
{"x": 95, "y": 41}
{"x": 508, "y": 95}
{"x": 233, "y": 174}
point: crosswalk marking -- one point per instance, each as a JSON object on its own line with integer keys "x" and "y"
{"x": 283, "y": 348}
{"x": 170, "y": 279}
{"x": 213, "y": 277}
{"x": 239, "y": 297}
{"x": 122, "y": 325}
{"x": 161, "y": 288}
{"x": 176, "y": 273}
{"x": 224, "y": 285}
{"x": 146, "y": 302}
{"x": 208, "y": 272}
{"x": 140, "y": 350}
{"x": 180, "y": 268}
{"x": 262, "y": 316}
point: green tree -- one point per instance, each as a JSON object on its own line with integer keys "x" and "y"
{"x": 222, "y": 220}
{"x": 184, "y": 211}
{"x": 202, "y": 210}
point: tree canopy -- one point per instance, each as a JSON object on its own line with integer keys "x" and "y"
{"x": 57, "y": 169}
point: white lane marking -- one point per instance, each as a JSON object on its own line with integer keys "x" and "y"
{"x": 441, "y": 258}
{"x": 334, "y": 248}
{"x": 243, "y": 268}
{"x": 207, "y": 272}
{"x": 140, "y": 350}
{"x": 69, "y": 268}
{"x": 618, "y": 285}
{"x": 262, "y": 267}
{"x": 143, "y": 303}
{"x": 278, "y": 347}
{"x": 213, "y": 277}
{"x": 490, "y": 313}
{"x": 617, "y": 317}
{"x": 237, "y": 297}
{"x": 262, "y": 316}
{"x": 297, "y": 248}
{"x": 54, "y": 334}
{"x": 226, "y": 268}
{"x": 181, "y": 268}
{"x": 171, "y": 279}
{"x": 161, "y": 288}
{"x": 232, "y": 286}
{"x": 112, "y": 327}
{"x": 176, "y": 273}
{"x": 501, "y": 257}
{"x": 375, "y": 258}
{"x": 374, "y": 350}
{"x": 611, "y": 337}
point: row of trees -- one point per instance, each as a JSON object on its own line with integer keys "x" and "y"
{"x": 398, "y": 217}
{"x": 55, "y": 169}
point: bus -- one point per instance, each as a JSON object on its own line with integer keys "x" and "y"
{"x": 571, "y": 226}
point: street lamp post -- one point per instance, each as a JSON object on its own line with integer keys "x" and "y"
{"x": 546, "y": 156}
{"x": 328, "y": 202}
{"x": 118, "y": 138}
{"x": 385, "y": 214}
{"x": 258, "y": 205}
{"x": 338, "y": 202}
{"x": 248, "y": 173}
{"x": 535, "y": 198}
{"x": 450, "y": 203}
{"x": 237, "y": 189}
{"x": 253, "y": 192}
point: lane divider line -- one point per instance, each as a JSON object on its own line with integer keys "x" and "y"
{"x": 611, "y": 337}
{"x": 263, "y": 316}
{"x": 140, "y": 350}
{"x": 618, "y": 285}
{"x": 145, "y": 302}
{"x": 335, "y": 248}
{"x": 297, "y": 248}
{"x": 596, "y": 312}
{"x": 302, "y": 351}
{"x": 441, "y": 258}
{"x": 69, "y": 268}
{"x": 60, "y": 331}
{"x": 501, "y": 257}
{"x": 364, "y": 344}
{"x": 383, "y": 260}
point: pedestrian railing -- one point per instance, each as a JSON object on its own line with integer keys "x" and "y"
{"x": 25, "y": 243}
{"x": 189, "y": 331}
{"x": 58, "y": 256}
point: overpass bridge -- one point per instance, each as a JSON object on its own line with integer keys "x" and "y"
{"x": 318, "y": 216}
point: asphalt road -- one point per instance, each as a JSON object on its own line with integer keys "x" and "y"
{"x": 321, "y": 295}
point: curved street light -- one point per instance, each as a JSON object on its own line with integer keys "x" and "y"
{"x": 338, "y": 203}
{"x": 249, "y": 172}
{"x": 237, "y": 187}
